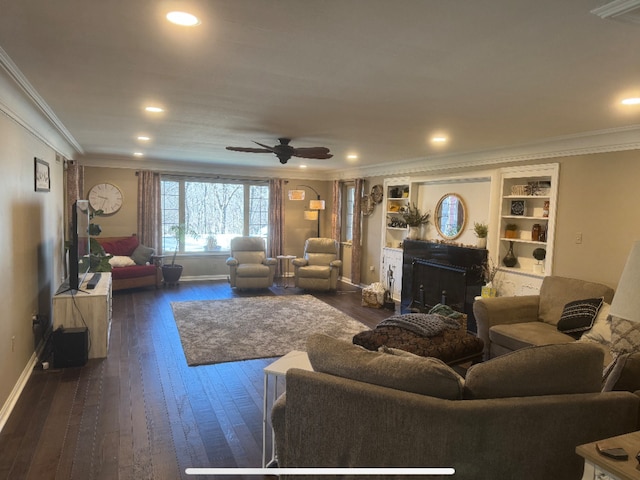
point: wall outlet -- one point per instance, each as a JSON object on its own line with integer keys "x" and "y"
{"x": 579, "y": 237}
{"x": 372, "y": 268}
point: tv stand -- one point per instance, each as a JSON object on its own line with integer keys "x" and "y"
{"x": 91, "y": 309}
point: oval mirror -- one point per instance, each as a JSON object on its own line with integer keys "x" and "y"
{"x": 450, "y": 216}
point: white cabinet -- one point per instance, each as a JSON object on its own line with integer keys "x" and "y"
{"x": 528, "y": 204}
{"x": 392, "y": 262}
{"x": 87, "y": 308}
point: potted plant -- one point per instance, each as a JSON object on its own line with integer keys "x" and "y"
{"x": 489, "y": 270}
{"x": 171, "y": 272}
{"x": 414, "y": 219}
{"x": 481, "y": 230}
{"x": 98, "y": 258}
{"x": 510, "y": 230}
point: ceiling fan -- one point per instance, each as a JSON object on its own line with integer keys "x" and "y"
{"x": 284, "y": 151}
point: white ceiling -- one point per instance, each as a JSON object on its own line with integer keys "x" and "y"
{"x": 373, "y": 77}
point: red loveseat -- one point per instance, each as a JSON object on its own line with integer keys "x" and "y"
{"x": 145, "y": 272}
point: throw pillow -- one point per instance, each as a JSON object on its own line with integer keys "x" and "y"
{"x": 541, "y": 370}
{"x": 601, "y": 330}
{"x": 578, "y": 316}
{"x": 121, "y": 261}
{"x": 625, "y": 335}
{"x": 422, "y": 375}
{"x": 142, "y": 254}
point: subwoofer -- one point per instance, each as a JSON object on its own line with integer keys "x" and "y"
{"x": 70, "y": 347}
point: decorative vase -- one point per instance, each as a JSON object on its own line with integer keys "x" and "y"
{"x": 482, "y": 242}
{"x": 489, "y": 291}
{"x": 414, "y": 233}
{"x": 510, "y": 259}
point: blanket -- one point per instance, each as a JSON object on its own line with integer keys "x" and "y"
{"x": 425, "y": 324}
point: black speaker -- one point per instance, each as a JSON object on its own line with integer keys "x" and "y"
{"x": 70, "y": 347}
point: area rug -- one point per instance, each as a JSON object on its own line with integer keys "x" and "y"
{"x": 217, "y": 331}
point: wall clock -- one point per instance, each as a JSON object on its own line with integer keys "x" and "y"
{"x": 106, "y": 197}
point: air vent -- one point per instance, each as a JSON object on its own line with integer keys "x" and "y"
{"x": 622, "y": 10}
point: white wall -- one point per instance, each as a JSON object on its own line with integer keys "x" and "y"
{"x": 32, "y": 239}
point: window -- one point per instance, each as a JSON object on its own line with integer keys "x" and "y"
{"x": 347, "y": 212}
{"x": 213, "y": 212}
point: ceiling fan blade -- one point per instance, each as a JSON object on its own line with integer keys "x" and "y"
{"x": 271, "y": 149}
{"x": 318, "y": 153}
{"x": 250, "y": 150}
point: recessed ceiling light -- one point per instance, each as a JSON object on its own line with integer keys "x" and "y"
{"x": 153, "y": 109}
{"x": 138, "y": 154}
{"x": 144, "y": 138}
{"x": 183, "y": 18}
{"x": 439, "y": 139}
{"x": 631, "y": 101}
{"x": 352, "y": 156}
{"x": 303, "y": 166}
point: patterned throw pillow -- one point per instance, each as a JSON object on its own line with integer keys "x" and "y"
{"x": 578, "y": 316}
{"x": 625, "y": 335}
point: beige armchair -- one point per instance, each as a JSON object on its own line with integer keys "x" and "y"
{"x": 506, "y": 324}
{"x": 249, "y": 266}
{"x": 320, "y": 267}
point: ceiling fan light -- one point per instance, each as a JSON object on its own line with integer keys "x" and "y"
{"x": 183, "y": 18}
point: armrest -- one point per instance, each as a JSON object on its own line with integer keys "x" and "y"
{"x": 270, "y": 261}
{"x": 300, "y": 262}
{"x": 232, "y": 262}
{"x": 335, "y": 263}
{"x": 504, "y": 310}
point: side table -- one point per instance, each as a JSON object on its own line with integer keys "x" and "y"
{"x": 274, "y": 371}
{"x": 597, "y": 466}
{"x": 285, "y": 261}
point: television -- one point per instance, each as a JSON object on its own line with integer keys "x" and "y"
{"x": 79, "y": 247}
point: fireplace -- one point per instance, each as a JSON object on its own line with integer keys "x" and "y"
{"x": 435, "y": 273}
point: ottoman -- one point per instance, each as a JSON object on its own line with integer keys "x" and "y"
{"x": 451, "y": 346}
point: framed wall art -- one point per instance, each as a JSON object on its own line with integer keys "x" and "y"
{"x": 41, "y": 175}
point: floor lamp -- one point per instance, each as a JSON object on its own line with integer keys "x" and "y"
{"x": 315, "y": 206}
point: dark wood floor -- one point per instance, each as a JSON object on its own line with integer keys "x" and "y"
{"x": 142, "y": 413}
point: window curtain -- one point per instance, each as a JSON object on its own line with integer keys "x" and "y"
{"x": 74, "y": 180}
{"x": 336, "y": 211}
{"x": 149, "y": 211}
{"x": 356, "y": 249}
{"x": 275, "y": 241}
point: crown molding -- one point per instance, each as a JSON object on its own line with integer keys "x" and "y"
{"x": 625, "y": 10}
{"x": 16, "y": 75}
{"x": 588, "y": 143}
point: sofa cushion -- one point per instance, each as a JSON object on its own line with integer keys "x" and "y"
{"x": 624, "y": 374}
{"x": 556, "y": 292}
{"x": 578, "y": 316}
{"x": 411, "y": 373}
{"x": 142, "y": 254}
{"x": 134, "y": 272}
{"x": 544, "y": 370}
{"x": 527, "y": 334}
{"x": 122, "y": 247}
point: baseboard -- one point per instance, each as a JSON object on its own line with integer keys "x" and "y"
{"x": 8, "y": 406}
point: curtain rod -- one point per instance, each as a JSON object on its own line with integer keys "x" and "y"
{"x": 208, "y": 177}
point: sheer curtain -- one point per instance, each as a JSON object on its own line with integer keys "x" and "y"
{"x": 336, "y": 211}
{"x": 275, "y": 242}
{"x": 356, "y": 250}
{"x": 149, "y": 212}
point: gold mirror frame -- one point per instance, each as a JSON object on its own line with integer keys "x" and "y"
{"x": 450, "y": 223}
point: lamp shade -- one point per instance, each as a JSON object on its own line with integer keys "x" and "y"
{"x": 316, "y": 204}
{"x": 626, "y": 301}
{"x": 296, "y": 194}
{"x": 311, "y": 215}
